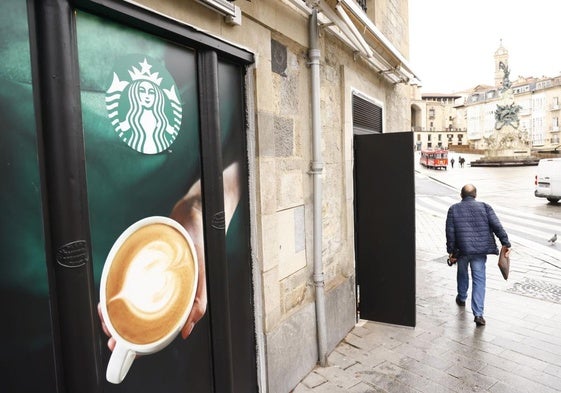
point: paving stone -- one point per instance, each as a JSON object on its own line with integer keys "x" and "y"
{"x": 529, "y": 351}
{"x": 502, "y": 362}
{"x": 338, "y": 377}
{"x": 422, "y": 355}
{"x": 375, "y": 339}
{"x": 385, "y": 381}
{"x": 361, "y": 342}
{"x": 501, "y": 387}
{"x": 326, "y": 387}
{"x": 553, "y": 369}
{"x": 512, "y": 379}
{"x": 521, "y": 359}
{"x": 301, "y": 388}
{"x": 340, "y": 360}
{"x": 473, "y": 381}
{"x": 437, "y": 376}
{"x": 366, "y": 388}
{"x": 457, "y": 358}
{"x": 313, "y": 380}
{"x": 360, "y": 330}
{"x": 549, "y": 344}
{"x": 552, "y": 381}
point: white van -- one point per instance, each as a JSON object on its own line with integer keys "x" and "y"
{"x": 548, "y": 179}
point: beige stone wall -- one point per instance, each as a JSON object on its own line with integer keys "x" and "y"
{"x": 391, "y": 17}
{"x": 282, "y": 162}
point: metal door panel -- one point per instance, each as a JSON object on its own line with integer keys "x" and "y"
{"x": 385, "y": 227}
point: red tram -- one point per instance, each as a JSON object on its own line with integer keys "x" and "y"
{"x": 434, "y": 158}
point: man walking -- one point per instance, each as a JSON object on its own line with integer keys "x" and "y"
{"x": 470, "y": 226}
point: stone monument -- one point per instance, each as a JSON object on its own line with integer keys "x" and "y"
{"x": 507, "y": 145}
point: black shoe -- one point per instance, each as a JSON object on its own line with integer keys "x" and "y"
{"x": 459, "y": 302}
{"x": 479, "y": 321}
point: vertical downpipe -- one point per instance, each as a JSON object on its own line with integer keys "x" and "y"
{"x": 316, "y": 170}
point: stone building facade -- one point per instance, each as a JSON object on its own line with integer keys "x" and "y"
{"x": 280, "y": 158}
{"x": 439, "y": 121}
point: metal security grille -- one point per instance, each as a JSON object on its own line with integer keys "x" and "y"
{"x": 367, "y": 116}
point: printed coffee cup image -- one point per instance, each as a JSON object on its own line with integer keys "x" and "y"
{"x": 147, "y": 289}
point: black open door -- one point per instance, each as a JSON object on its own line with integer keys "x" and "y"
{"x": 385, "y": 227}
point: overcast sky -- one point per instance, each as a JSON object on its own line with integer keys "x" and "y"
{"x": 452, "y": 42}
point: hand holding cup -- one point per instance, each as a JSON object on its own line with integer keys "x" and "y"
{"x": 147, "y": 290}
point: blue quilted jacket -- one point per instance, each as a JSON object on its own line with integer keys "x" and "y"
{"x": 470, "y": 226}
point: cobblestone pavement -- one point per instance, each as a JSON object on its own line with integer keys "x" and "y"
{"x": 518, "y": 351}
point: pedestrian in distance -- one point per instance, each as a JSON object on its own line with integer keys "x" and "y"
{"x": 471, "y": 227}
{"x": 452, "y": 161}
{"x": 461, "y": 160}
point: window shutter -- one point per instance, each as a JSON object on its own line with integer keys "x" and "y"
{"x": 367, "y": 116}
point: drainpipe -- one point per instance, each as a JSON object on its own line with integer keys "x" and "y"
{"x": 316, "y": 170}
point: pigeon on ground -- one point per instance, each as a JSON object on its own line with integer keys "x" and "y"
{"x": 553, "y": 239}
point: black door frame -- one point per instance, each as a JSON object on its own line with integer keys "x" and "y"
{"x": 214, "y": 222}
{"x": 54, "y": 57}
{"x": 54, "y": 62}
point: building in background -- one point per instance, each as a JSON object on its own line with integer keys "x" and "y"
{"x": 442, "y": 122}
{"x": 471, "y": 114}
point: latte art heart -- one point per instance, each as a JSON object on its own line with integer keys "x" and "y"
{"x": 153, "y": 279}
{"x": 150, "y": 283}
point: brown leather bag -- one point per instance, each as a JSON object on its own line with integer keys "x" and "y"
{"x": 504, "y": 262}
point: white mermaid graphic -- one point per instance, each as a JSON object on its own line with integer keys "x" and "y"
{"x": 140, "y": 109}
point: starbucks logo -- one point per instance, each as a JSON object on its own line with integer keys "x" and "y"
{"x": 143, "y": 106}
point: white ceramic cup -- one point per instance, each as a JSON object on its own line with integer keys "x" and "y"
{"x": 143, "y": 284}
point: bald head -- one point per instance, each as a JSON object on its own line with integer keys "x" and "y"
{"x": 468, "y": 190}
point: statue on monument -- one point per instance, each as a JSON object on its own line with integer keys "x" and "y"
{"x": 506, "y": 73}
{"x": 506, "y": 136}
{"x": 507, "y": 114}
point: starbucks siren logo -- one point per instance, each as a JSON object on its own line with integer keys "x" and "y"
{"x": 144, "y": 113}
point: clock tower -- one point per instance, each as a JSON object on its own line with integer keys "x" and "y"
{"x": 501, "y": 55}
